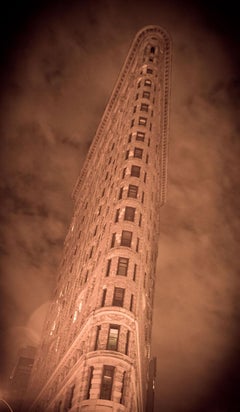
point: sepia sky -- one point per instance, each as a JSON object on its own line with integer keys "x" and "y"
{"x": 60, "y": 62}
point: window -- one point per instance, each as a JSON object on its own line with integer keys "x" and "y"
{"x": 112, "y": 146}
{"x": 148, "y": 83}
{"x": 108, "y": 267}
{"x": 139, "y": 84}
{"x": 132, "y": 123}
{"x": 145, "y": 177}
{"x": 146, "y": 95}
{"x": 140, "y": 220}
{"x": 137, "y": 245}
{"x": 106, "y": 176}
{"x": 103, "y": 192}
{"x": 107, "y": 382}
{"x": 95, "y": 231}
{"x": 129, "y": 213}
{"x": 149, "y": 71}
{"x": 118, "y": 297}
{"x": 138, "y": 152}
{"x": 117, "y": 215}
{"x": 127, "y": 155}
{"x": 142, "y": 121}
{"x": 136, "y": 96}
{"x": 144, "y": 107}
{"x": 140, "y": 136}
{"x": 134, "y": 109}
{"x": 152, "y": 50}
{"x": 70, "y": 394}
{"x": 131, "y": 303}
{"x": 126, "y": 238}
{"x": 122, "y": 401}
{"x": 148, "y": 142}
{"x": 120, "y": 193}
{"x": 142, "y": 197}
{"x": 132, "y": 191}
{"x": 130, "y": 138}
{"x": 113, "y": 239}
{"x": 150, "y": 127}
{"x": 86, "y": 277}
{"x": 91, "y": 253}
{"x": 134, "y": 272}
{"x": 135, "y": 171}
{"x": 147, "y": 157}
{"x": 103, "y": 297}
{"x": 124, "y": 173}
{"x": 89, "y": 381}
{"x": 127, "y": 342}
{"x": 122, "y": 268}
{"x": 97, "y": 337}
{"x": 112, "y": 342}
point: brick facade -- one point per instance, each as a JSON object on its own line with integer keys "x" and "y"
{"x": 95, "y": 348}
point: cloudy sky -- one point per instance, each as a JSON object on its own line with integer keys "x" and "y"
{"x": 59, "y": 64}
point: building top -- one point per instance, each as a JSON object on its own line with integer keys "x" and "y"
{"x": 140, "y": 38}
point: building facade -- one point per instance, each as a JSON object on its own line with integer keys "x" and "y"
{"x": 95, "y": 350}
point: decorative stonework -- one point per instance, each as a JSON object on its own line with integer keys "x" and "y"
{"x": 95, "y": 348}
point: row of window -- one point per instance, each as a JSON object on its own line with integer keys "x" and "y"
{"x": 106, "y": 383}
{"x": 113, "y": 338}
{"x": 118, "y": 298}
{"x": 126, "y": 239}
{"x": 122, "y": 267}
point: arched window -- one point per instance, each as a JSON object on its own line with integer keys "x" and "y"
{"x": 152, "y": 50}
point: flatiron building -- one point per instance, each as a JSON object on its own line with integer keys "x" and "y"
{"x": 95, "y": 352}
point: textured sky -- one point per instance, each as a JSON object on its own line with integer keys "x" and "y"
{"x": 60, "y": 63}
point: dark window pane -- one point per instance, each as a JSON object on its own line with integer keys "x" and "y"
{"x": 129, "y": 213}
{"x": 122, "y": 266}
{"x": 126, "y": 238}
{"x": 132, "y": 191}
{"x": 107, "y": 381}
{"x": 138, "y": 152}
{"x": 135, "y": 171}
{"x": 118, "y": 297}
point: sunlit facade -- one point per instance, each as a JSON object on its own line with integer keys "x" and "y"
{"x": 95, "y": 349}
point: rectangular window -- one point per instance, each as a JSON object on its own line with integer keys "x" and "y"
{"x": 124, "y": 173}
{"x": 122, "y": 268}
{"x": 95, "y": 231}
{"x": 137, "y": 245}
{"x": 90, "y": 376}
{"x": 131, "y": 303}
{"x": 132, "y": 191}
{"x": 142, "y": 121}
{"x": 122, "y": 400}
{"x": 127, "y": 155}
{"x": 148, "y": 142}
{"x": 127, "y": 342}
{"x": 148, "y": 83}
{"x": 126, "y": 238}
{"x": 139, "y": 84}
{"x": 146, "y": 95}
{"x": 112, "y": 146}
{"x": 86, "y": 277}
{"x": 134, "y": 109}
{"x": 91, "y": 253}
{"x": 130, "y": 138}
{"x": 113, "y": 335}
{"x": 117, "y": 215}
{"x": 107, "y": 382}
{"x": 145, "y": 177}
{"x": 135, "y": 272}
{"x": 103, "y": 192}
{"x": 150, "y": 126}
{"x": 135, "y": 171}
{"x": 140, "y": 136}
{"x": 106, "y": 176}
{"x": 129, "y": 213}
{"x": 108, "y": 267}
{"x": 144, "y": 107}
{"x": 113, "y": 239}
{"x": 138, "y": 152}
{"x": 136, "y": 96}
{"x": 118, "y": 297}
{"x": 97, "y": 337}
{"x": 147, "y": 158}
{"x": 140, "y": 220}
{"x": 142, "y": 197}
{"x": 104, "y": 297}
{"x": 149, "y": 71}
{"x": 120, "y": 193}
{"x": 132, "y": 123}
